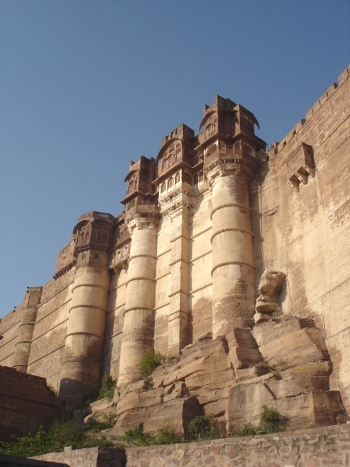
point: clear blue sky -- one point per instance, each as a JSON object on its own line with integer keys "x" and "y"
{"x": 87, "y": 86}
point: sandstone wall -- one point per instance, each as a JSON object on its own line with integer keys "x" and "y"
{"x": 114, "y": 324}
{"x": 9, "y": 326}
{"x": 317, "y": 447}
{"x": 198, "y": 284}
{"x": 50, "y": 329}
{"x": 306, "y": 233}
{"x": 200, "y": 269}
{"x": 26, "y": 403}
{"x": 163, "y": 284}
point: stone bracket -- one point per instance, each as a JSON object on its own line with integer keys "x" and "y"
{"x": 300, "y": 165}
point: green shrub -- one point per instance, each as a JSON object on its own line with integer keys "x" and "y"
{"x": 66, "y": 433}
{"x": 280, "y": 365}
{"x": 61, "y": 434}
{"x": 107, "y": 388}
{"x": 31, "y": 445}
{"x": 263, "y": 364}
{"x": 105, "y": 391}
{"x": 136, "y": 437}
{"x": 270, "y": 420}
{"x": 205, "y": 427}
{"x": 199, "y": 428}
{"x": 167, "y": 434}
{"x": 95, "y": 426}
{"x": 246, "y": 430}
{"x": 150, "y": 362}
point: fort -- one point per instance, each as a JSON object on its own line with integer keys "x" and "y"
{"x": 230, "y": 259}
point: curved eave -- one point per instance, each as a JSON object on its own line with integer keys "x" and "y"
{"x": 130, "y": 174}
{"x": 165, "y": 147}
{"x": 205, "y": 118}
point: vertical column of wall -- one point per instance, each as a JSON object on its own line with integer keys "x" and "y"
{"x": 81, "y": 361}
{"x": 233, "y": 268}
{"x": 26, "y": 328}
{"x": 138, "y": 328}
{"x": 178, "y": 320}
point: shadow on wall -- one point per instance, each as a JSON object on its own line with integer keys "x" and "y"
{"x": 201, "y": 319}
{"x": 81, "y": 375}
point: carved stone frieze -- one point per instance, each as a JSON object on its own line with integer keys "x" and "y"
{"x": 181, "y": 198}
{"x": 230, "y": 163}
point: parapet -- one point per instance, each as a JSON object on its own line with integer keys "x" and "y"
{"x": 276, "y": 147}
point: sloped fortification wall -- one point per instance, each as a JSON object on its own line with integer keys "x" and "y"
{"x": 316, "y": 447}
{"x": 301, "y": 222}
{"x": 9, "y": 326}
{"x": 26, "y": 403}
{"x": 49, "y": 331}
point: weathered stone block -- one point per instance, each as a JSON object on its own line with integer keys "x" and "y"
{"x": 178, "y": 413}
{"x": 298, "y": 348}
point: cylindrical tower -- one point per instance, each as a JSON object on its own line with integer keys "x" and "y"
{"x": 232, "y": 257}
{"x": 228, "y": 148}
{"x": 82, "y": 355}
{"x": 25, "y": 333}
{"x": 138, "y": 328}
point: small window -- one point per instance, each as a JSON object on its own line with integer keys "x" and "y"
{"x": 170, "y": 182}
{"x": 186, "y": 178}
{"x": 177, "y": 178}
{"x": 210, "y": 129}
{"x": 211, "y": 150}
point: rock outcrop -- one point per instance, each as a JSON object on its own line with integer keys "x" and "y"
{"x": 269, "y": 287}
{"x": 282, "y": 363}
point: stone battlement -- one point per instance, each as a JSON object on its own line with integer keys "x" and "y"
{"x": 278, "y": 147}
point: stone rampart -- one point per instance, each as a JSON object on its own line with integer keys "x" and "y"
{"x": 317, "y": 447}
{"x": 26, "y": 403}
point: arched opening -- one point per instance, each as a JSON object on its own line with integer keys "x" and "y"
{"x": 170, "y": 182}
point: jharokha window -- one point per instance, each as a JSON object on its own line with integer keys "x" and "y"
{"x": 163, "y": 187}
{"x": 170, "y": 182}
{"x": 132, "y": 186}
{"x": 186, "y": 178}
